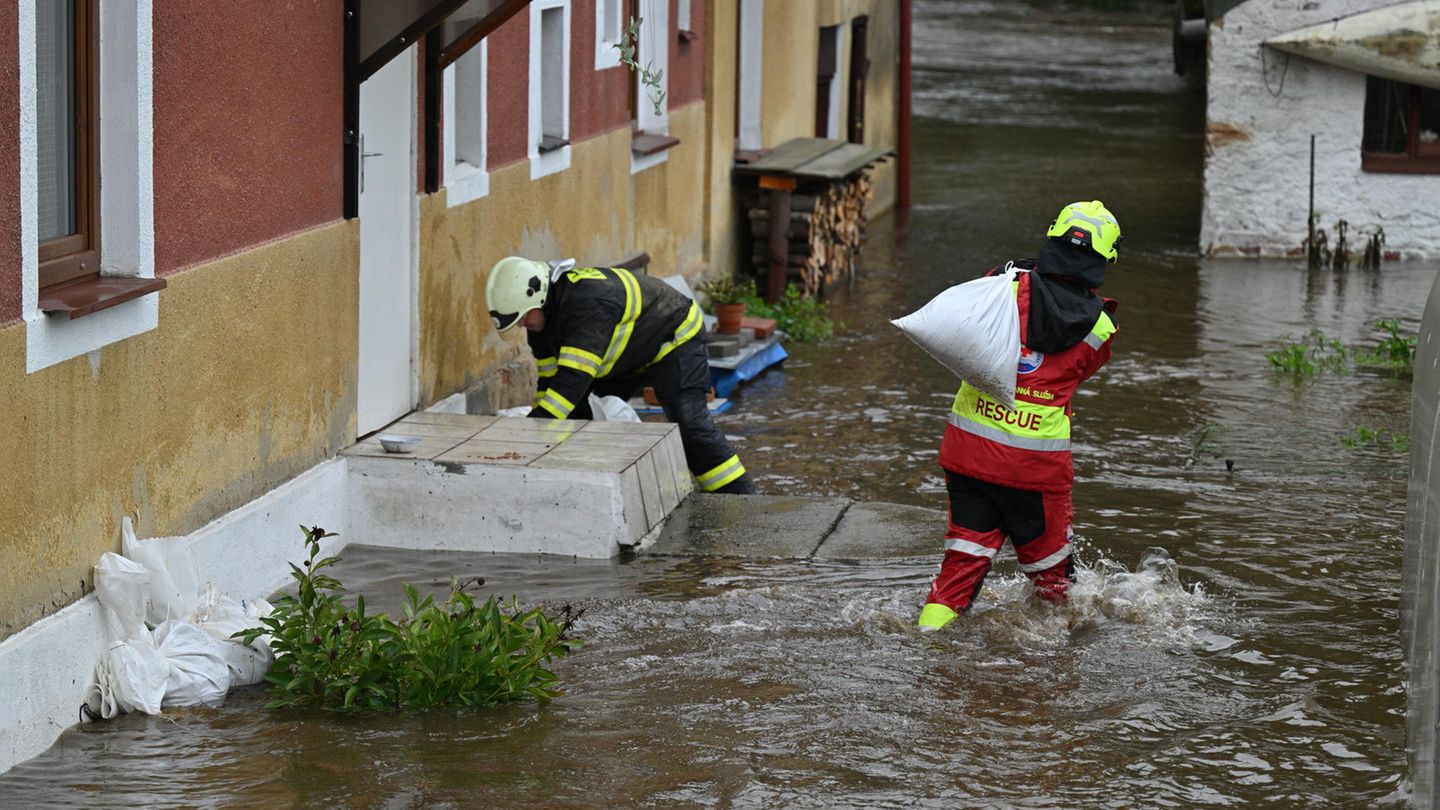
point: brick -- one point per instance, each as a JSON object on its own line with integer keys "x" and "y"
{"x": 764, "y": 327}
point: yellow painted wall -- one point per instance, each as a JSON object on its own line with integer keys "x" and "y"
{"x": 596, "y": 212}
{"x": 723, "y": 221}
{"x": 248, "y": 381}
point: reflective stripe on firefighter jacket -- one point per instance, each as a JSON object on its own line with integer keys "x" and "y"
{"x": 1028, "y": 447}
{"x": 605, "y": 322}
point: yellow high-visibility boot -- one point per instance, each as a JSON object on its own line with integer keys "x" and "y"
{"x": 935, "y": 616}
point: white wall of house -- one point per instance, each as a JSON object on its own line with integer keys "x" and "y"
{"x": 1263, "y": 107}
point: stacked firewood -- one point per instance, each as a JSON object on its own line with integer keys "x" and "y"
{"x": 827, "y": 228}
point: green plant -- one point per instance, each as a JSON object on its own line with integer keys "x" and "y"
{"x": 1365, "y": 436}
{"x": 726, "y": 290}
{"x": 799, "y": 316}
{"x": 453, "y": 653}
{"x": 1310, "y": 356}
{"x": 1394, "y": 351}
{"x": 627, "y": 46}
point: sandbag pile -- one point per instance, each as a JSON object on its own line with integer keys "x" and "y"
{"x": 171, "y": 639}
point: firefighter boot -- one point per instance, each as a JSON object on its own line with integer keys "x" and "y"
{"x": 935, "y": 616}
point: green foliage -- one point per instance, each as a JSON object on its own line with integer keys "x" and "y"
{"x": 1394, "y": 351}
{"x": 1315, "y": 354}
{"x": 726, "y": 290}
{"x": 454, "y": 653}
{"x": 1318, "y": 354}
{"x": 799, "y": 316}
{"x": 1365, "y": 437}
{"x": 650, "y": 77}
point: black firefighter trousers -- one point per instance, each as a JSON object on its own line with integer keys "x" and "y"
{"x": 681, "y": 381}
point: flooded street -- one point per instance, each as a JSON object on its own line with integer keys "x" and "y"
{"x": 1269, "y": 674}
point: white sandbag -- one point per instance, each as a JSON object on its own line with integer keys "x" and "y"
{"x": 222, "y": 616}
{"x": 131, "y": 677}
{"x": 612, "y": 409}
{"x": 123, "y": 586}
{"x": 973, "y": 329}
{"x": 174, "y": 585}
{"x": 198, "y": 674}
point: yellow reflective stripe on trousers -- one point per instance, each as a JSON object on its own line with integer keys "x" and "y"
{"x": 558, "y": 406}
{"x": 580, "y": 360}
{"x": 721, "y": 474}
{"x": 621, "y": 338}
{"x": 547, "y": 366}
{"x": 1028, "y": 427}
{"x": 1100, "y": 332}
{"x": 694, "y": 320}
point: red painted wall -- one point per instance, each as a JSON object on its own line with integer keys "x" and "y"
{"x": 248, "y": 114}
{"x": 9, "y": 163}
{"x": 687, "y": 59}
{"x": 599, "y": 99}
{"x": 508, "y": 100}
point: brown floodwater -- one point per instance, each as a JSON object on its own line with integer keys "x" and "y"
{"x": 1256, "y": 663}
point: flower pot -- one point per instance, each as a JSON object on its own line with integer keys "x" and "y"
{"x": 728, "y": 317}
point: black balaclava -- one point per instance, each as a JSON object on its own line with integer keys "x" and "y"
{"x": 1063, "y": 302}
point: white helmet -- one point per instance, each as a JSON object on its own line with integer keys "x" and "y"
{"x": 515, "y": 287}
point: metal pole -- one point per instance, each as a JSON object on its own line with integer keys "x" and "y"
{"x": 1313, "y": 252}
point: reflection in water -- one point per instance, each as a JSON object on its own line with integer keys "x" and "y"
{"x": 1256, "y": 662}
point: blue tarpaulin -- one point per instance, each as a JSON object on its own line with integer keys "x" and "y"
{"x": 725, "y": 379}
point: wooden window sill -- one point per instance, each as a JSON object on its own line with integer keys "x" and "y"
{"x": 83, "y": 296}
{"x": 550, "y": 143}
{"x": 1399, "y": 164}
{"x": 649, "y": 143}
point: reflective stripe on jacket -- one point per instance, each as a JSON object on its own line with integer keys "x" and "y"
{"x": 1028, "y": 447}
{"x": 605, "y": 322}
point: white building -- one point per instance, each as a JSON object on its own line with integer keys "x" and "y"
{"x": 1360, "y": 76}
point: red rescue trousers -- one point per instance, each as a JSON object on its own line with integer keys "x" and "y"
{"x": 982, "y": 516}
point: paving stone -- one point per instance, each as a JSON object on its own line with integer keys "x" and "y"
{"x": 748, "y": 526}
{"x": 872, "y": 531}
{"x": 479, "y": 451}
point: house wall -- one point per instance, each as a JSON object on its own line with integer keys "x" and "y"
{"x": 596, "y": 211}
{"x": 249, "y": 377}
{"x": 10, "y": 282}
{"x": 1263, "y": 107}
{"x": 241, "y": 387}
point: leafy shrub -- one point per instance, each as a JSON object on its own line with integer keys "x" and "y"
{"x": 1394, "y": 352}
{"x": 800, "y": 317}
{"x": 453, "y": 653}
{"x": 1364, "y": 436}
{"x": 1313, "y": 355}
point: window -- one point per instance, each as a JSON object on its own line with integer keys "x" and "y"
{"x": 827, "y": 84}
{"x": 549, "y": 87}
{"x": 859, "y": 72}
{"x": 72, "y": 132}
{"x": 466, "y": 176}
{"x": 609, "y": 28}
{"x": 67, "y": 160}
{"x": 1402, "y": 128}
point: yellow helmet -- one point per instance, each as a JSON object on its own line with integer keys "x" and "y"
{"x": 1090, "y": 224}
{"x": 515, "y": 287}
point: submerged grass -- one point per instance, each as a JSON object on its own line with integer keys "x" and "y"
{"x": 1317, "y": 354}
{"x": 452, "y": 653}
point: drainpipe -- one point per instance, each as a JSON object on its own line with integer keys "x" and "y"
{"x": 902, "y": 190}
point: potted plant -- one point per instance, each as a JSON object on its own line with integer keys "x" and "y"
{"x": 726, "y": 298}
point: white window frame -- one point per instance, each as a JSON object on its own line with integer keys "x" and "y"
{"x": 682, "y": 15}
{"x": 837, "y": 81}
{"x": 464, "y": 180}
{"x": 654, "y": 54}
{"x": 127, "y": 190}
{"x": 750, "y": 135}
{"x": 608, "y": 32}
{"x": 542, "y": 164}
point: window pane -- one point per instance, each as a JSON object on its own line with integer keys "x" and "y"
{"x": 55, "y": 111}
{"x": 1387, "y": 106}
{"x": 1429, "y": 117}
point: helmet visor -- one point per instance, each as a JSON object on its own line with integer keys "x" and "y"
{"x": 503, "y": 321}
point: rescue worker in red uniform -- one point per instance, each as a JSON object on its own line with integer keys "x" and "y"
{"x": 1008, "y": 473}
{"x": 607, "y": 331}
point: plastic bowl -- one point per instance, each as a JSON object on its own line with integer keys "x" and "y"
{"x": 399, "y": 444}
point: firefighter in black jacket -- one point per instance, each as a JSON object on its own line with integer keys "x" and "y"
{"x": 607, "y": 331}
